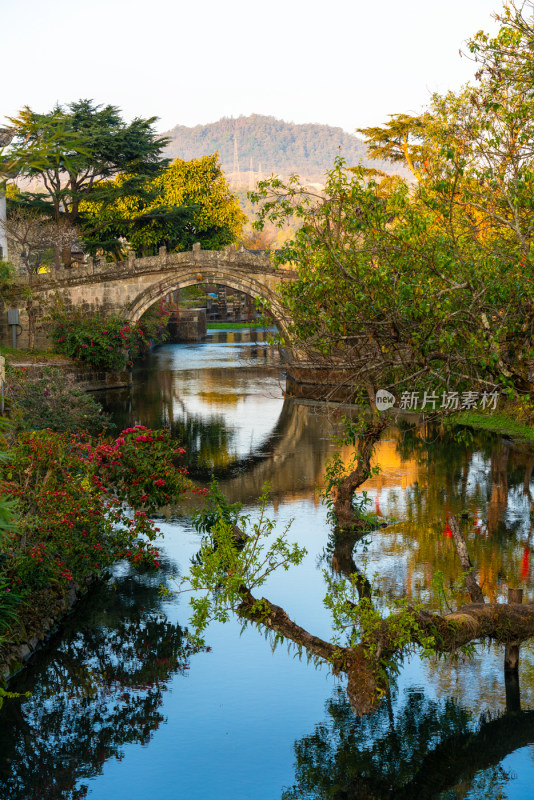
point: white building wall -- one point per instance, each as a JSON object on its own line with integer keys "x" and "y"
{"x": 3, "y": 238}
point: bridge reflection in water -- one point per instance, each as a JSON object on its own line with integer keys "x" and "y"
{"x": 236, "y": 424}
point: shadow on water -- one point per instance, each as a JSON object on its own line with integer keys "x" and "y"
{"x": 100, "y": 688}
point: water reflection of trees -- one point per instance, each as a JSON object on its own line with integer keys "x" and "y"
{"x": 413, "y": 747}
{"x": 98, "y": 690}
{"x": 487, "y": 483}
{"x": 489, "y": 473}
{"x": 432, "y": 474}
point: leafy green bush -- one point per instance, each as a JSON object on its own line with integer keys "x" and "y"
{"x": 53, "y": 402}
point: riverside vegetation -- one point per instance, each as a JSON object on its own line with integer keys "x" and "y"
{"x": 423, "y": 286}
{"x": 110, "y": 343}
{"x": 65, "y": 515}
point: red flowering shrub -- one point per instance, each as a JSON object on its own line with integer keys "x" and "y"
{"x": 108, "y": 343}
{"x": 142, "y": 464}
{"x": 74, "y": 495}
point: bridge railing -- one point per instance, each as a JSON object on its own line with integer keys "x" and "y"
{"x": 92, "y": 268}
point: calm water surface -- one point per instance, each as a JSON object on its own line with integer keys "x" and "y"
{"x": 121, "y": 708}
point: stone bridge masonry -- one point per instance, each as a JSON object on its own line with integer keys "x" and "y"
{"x": 131, "y": 287}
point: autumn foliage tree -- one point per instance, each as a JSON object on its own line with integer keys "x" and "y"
{"x": 189, "y": 202}
{"x": 92, "y": 172}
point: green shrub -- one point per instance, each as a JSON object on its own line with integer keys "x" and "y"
{"x": 53, "y": 402}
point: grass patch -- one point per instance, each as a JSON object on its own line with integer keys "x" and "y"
{"x": 34, "y": 356}
{"x": 235, "y": 325}
{"x": 498, "y": 423}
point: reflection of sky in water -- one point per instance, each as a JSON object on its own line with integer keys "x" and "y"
{"x": 248, "y": 417}
{"x": 238, "y": 350}
{"x": 248, "y": 402}
{"x": 231, "y": 725}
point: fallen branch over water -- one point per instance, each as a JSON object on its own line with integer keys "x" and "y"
{"x": 367, "y": 680}
{"x": 366, "y": 663}
{"x": 234, "y": 561}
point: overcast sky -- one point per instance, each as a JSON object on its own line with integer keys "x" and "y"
{"x": 341, "y": 63}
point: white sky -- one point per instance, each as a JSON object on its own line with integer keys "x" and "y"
{"x": 341, "y": 63}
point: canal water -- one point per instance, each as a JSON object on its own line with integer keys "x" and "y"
{"x": 121, "y": 707}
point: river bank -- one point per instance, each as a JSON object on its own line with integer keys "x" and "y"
{"x": 34, "y": 364}
{"x": 512, "y": 424}
{"x": 40, "y": 620}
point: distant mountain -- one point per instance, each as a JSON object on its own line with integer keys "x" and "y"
{"x": 266, "y": 145}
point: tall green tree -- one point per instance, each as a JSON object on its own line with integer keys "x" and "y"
{"x": 74, "y": 151}
{"x": 397, "y": 294}
{"x": 427, "y": 282}
{"x": 424, "y": 288}
{"x": 473, "y": 149}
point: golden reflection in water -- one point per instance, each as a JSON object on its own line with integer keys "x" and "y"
{"x": 487, "y": 485}
{"x": 395, "y": 471}
{"x": 219, "y": 398}
{"x": 418, "y": 486}
{"x": 424, "y": 475}
{"x": 421, "y": 481}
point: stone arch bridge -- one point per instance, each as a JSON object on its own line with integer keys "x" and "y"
{"x": 131, "y": 287}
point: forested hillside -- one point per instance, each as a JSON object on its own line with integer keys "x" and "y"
{"x": 270, "y": 145}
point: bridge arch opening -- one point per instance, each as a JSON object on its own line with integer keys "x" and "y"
{"x": 248, "y": 286}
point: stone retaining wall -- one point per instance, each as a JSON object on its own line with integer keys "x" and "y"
{"x": 14, "y": 656}
{"x": 82, "y": 377}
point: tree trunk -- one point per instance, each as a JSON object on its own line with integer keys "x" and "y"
{"x": 501, "y": 622}
{"x": 66, "y": 256}
{"x": 32, "y": 317}
{"x": 475, "y": 592}
{"x": 343, "y": 561}
{"x": 367, "y": 680}
{"x": 347, "y": 517}
{"x": 365, "y": 663}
